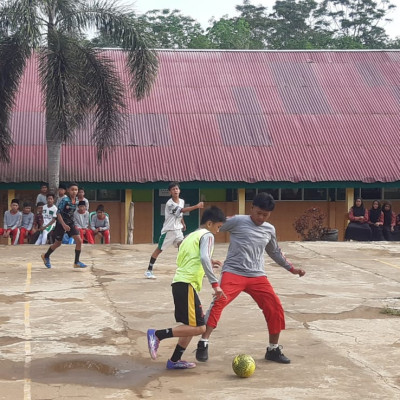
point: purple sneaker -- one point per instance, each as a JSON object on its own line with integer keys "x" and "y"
{"x": 153, "y": 342}
{"x": 180, "y": 364}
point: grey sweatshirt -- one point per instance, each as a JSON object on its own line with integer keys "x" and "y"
{"x": 12, "y": 221}
{"x": 81, "y": 220}
{"x": 27, "y": 221}
{"x": 247, "y": 245}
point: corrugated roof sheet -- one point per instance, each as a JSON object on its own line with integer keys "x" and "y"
{"x": 235, "y": 116}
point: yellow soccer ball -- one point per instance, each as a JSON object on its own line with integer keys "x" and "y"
{"x": 243, "y": 365}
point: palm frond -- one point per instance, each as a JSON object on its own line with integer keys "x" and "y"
{"x": 81, "y": 83}
{"x": 122, "y": 27}
{"x": 13, "y": 56}
{"x": 22, "y": 17}
{"x": 106, "y": 97}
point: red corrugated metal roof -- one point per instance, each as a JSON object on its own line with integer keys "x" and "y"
{"x": 231, "y": 116}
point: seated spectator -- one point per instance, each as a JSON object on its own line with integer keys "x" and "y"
{"x": 100, "y": 224}
{"x": 12, "y": 221}
{"x": 41, "y": 197}
{"x": 358, "y": 228}
{"x": 81, "y": 219}
{"x": 62, "y": 192}
{"x": 389, "y": 221}
{"x": 49, "y": 219}
{"x": 26, "y": 223}
{"x": 81, "y": 197}
{"x": 37, "y": 223}
{"x": 375, "y": 221}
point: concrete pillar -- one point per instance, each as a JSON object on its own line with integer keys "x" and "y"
{"x": 349, "y": 198}
{"x": 242, "y": 201}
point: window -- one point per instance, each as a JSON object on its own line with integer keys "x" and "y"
{"x": 103, "y": 195}
{"x": 391, "y": 194}
{"x": 273, "y": 192}
{"x": 371, "y": 193}
{"x": 315, "y": 194}
{"x": 291, "y": 194}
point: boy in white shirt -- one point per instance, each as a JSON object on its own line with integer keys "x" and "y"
{"x": 49, "y": 218}
{"x": 171, "y": 232}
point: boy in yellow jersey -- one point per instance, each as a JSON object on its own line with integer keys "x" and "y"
{"x": 193, "y": 261}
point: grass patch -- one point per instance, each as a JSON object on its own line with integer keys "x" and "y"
{"x": 391, "y": 311}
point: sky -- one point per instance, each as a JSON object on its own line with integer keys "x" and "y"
{"x": 203, "y": 10}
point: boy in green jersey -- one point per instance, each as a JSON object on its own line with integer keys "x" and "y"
{"x": 193, "y": 262}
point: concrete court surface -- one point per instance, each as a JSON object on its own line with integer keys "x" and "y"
{"x": 80, "y": 334}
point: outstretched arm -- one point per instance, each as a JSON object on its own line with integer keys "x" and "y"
{"x": 276, "y": 254}
{"x": 206, "y": 248}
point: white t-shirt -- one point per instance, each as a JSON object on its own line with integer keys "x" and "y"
{"x": 173, "y": 215}
{"x": 48, "y": 214}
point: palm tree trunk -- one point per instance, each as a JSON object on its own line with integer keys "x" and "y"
{"x": 53, "y": 158}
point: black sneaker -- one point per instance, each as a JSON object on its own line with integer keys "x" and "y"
{"x": 276, "y": 355}
{"x": 202, "y": 351}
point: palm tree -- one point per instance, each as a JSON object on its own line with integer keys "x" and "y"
{"x": 76, "y": 78}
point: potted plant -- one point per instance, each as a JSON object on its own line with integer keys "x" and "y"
{"x": 310, "y": 226}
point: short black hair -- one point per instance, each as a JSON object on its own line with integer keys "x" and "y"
{"x": 15, "y": 201}
{"x": 44, "y": 184}
{"x": 50, "y": 195}
{"x": 100, "y": 207}
{"x": 27, "y": 204}
{"x": 73, "y": 184}
{"x": 173, "y": 184}
{"x": 213, "y": 214}
{"x": 40, "y": 204}
{"x": 264, "y": 201}
{"x": 62, "y": 186}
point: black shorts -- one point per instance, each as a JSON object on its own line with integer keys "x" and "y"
{"x": 59, "y": 231}
{"x": 188, "y": 309}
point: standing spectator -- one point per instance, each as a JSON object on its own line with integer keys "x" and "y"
{"x": 358, "y": 228}
{"x": 389, "y": 220}
{"x": 49, "y": 218}
{"x": 62, "y": 190}
{"x": 81, "y": 197}
{"x": 100, "y": 224}
{"x": 12, "y": 221}
{"x": 81, "y": 220}
{"x": 37, "y": 223}
{"x": 26, "y": 223}
{"x": 41, "y": 197}
{"x": 375, "y": 220}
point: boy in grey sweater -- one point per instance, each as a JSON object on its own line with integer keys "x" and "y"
{"x": 12, "y": 222}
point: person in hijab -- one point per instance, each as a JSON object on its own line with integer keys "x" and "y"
{"x": 375, "y": 220}
{"x": 389, "y": 221}
{"x": 358, "y": 228}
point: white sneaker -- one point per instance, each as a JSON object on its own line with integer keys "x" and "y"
{"x": 149, "y": 275}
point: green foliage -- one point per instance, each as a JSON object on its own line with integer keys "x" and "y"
{"x": 76, "y": 79}
{"x": 229, "y": 34}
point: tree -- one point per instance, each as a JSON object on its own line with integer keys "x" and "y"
{"x": 358, "y": 21}
{"x": 171, "y": 29}
{"x": 258, "y": 21}
{"x": 233, "y": 33}
{"x": 296, "y": 25}
{"x": 76, "y": 79}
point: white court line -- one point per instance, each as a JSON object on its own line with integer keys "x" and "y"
{"x": 28, "y": 337}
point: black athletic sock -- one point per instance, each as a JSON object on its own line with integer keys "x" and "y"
{"x": 77, "y": 254}
{"x": 152, "y": 261}
{"x": 49, "y": 251}
{"x": 178, "y": 353}
{"x": 164, "y": 333}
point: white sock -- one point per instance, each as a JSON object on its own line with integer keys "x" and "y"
{"x": 203, "y": 340}
{"x": 273, "y": 346}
